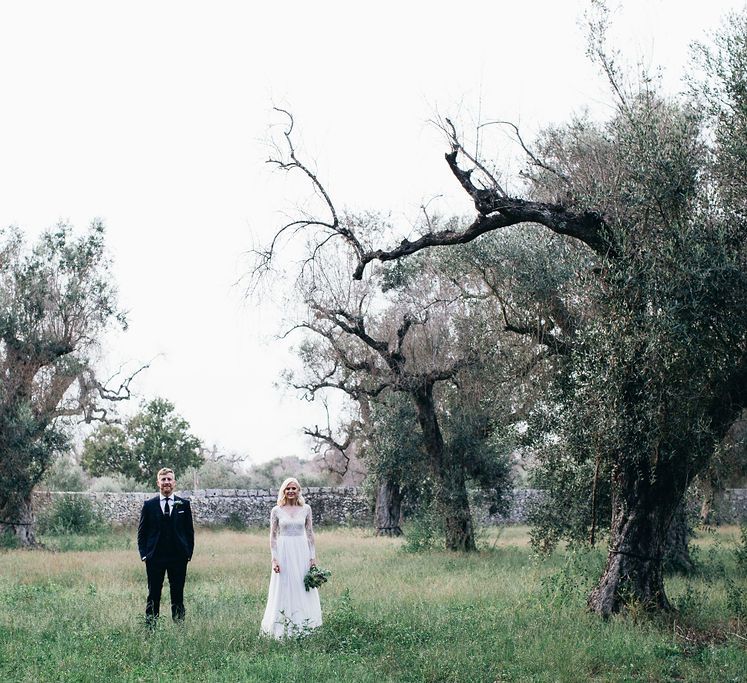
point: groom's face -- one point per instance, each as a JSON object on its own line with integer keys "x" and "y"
{"x": 166, "y": 483}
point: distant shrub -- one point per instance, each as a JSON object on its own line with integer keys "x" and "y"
{"x": 107, "y": 485}
{"x": 9, "y": 541}
{"x": 65, "y": 475}
{"x": 424, "y": 531}
{"x": 70, "y": 515}
{"x": 235, "y": 521}
{"x": 214, "y": 475}
{"x": 117, "y": 483}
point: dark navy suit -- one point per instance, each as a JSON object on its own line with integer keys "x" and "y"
{"x": 166, "y": 544}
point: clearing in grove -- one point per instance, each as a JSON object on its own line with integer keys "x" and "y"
{"x": 75, "y": 613}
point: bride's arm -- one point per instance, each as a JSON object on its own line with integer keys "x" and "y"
{"x": 274, "y": 527}
{"x": 310, "y": 536}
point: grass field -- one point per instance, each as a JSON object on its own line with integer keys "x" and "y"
{"x": 75, "y": 614}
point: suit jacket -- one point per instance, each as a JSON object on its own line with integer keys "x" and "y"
{"x": 149, "y": 528}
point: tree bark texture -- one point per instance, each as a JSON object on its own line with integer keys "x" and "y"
{"x": 453, "y": 501}
{"x": 17, "y": 520}
{"x": 388, "y": 509}
{"x": 451, "y": 495}
{"x": 677, "y": 545}
{"x": 641, "y": 515}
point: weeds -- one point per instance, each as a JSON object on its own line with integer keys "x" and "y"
{"x": 70, "y": 515}
{"x": 235, "y": 522}
{"x": 425, "y": 531}
{"x": 388, "y": 617}
{"x": 740, "y": 552}
{"x": 574, "y": 580}
{"x": 9, "y": 541}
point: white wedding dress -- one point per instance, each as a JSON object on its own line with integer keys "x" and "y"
{"x": 291, "y": 609}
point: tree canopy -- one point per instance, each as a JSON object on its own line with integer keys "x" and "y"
{"x": 56, "y": 300}
{"x": 153, "y": 438}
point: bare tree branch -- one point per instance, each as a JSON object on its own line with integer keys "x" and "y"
{"x": 122, "y": 392}
{"x": 496, "y": 212}
{"x": 333, "y": 226}
{"x": 534, "y": 158}
{"x": 457, "y": 145}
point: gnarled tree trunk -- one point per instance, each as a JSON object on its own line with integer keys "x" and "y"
{"x": 452, "y": 500}
{"x": 641, "y": 514}
{"x": 17, "y": 520}
{"x": 677, "y": 543}
{"x": 388, "y": 509}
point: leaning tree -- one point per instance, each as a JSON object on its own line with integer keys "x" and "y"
{"x": 659, "y": 374}
{"x": 56, "y": 300}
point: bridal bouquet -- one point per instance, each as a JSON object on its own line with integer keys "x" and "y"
{"x": 315, "y": 577}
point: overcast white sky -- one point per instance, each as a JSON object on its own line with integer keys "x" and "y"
{"x": 155, "y": 116}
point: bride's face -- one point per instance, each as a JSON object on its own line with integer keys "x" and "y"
{"x": 291, "y": 493}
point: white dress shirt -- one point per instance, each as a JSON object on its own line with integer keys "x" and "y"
{"x": 163, "y": 502}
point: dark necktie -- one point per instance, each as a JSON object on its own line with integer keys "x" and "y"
{"x": 166, "y": 510}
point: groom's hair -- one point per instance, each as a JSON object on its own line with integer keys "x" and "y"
{"x": 165, "y": 470}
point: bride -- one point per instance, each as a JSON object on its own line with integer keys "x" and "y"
{"x": 291, "y": 609}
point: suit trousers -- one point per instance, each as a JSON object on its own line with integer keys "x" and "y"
{"x": 177, "y": 572}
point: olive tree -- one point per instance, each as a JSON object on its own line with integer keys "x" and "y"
{"x": 56, "y": 300}
{"x": 370, "y": 339}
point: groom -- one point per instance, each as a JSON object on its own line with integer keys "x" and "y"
{"x": 165, "y": 540}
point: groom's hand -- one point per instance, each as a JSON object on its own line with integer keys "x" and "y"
{"x": 275, "y": 567}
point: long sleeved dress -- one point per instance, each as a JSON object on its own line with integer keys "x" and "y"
{"x": 291, "y": 609}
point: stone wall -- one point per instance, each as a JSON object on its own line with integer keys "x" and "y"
{"x": 521, "y": 502}
{"x": 332, "y": 505}
{"x": 733, "y": 508}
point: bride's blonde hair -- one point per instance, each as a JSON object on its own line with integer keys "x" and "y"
{"x": 282, "y": 500}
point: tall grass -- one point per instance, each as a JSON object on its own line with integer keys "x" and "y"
{"x": 76, "y": 614}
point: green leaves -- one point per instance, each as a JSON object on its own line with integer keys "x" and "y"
{"x": 315, "y": 577}
{"x": 652, "y": 384}
{"x": 153, "y": 438}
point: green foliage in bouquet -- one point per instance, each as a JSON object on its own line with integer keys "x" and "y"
{"x": 315, "y": 577}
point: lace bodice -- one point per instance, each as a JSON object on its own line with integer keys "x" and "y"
{"x": 291, "y": 520}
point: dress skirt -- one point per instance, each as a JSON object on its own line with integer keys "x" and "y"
{"x": 291, "y": 609}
